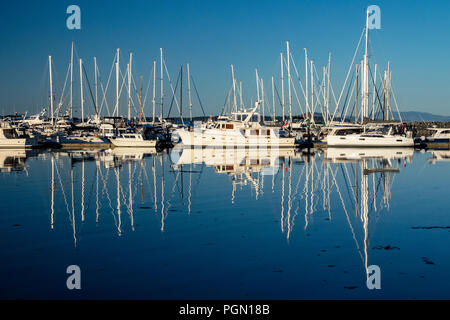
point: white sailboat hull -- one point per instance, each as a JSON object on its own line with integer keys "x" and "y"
{"x": 358, "y": 140}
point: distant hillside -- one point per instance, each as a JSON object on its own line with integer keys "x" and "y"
{"x": 423, "y": 116}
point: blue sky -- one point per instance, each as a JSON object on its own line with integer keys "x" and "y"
{"x": 211, "y": 35}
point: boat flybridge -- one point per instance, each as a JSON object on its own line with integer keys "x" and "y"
{"x": 365, "y": 136}
{"x": 11, "y": 137}
{"x": 241, "y": 129}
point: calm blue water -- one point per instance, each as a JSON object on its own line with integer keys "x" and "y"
{"x": 231, "y": 224}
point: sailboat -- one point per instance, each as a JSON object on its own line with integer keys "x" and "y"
{"x": 366, "y": 134}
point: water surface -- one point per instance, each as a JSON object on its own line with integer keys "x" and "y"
{"x": 225, "y": 224}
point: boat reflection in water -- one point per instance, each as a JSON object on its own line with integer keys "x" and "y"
{"x": 13, "y": 159}
{"x": 105, "y": 182}
{"x": 113, "y": 185}
{"x": 367, "y": 175}
{"x": 243, "y": 166}
{"x": 439, "y": 156}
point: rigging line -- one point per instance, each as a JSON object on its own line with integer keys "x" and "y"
{"x": 150, "y": 80}
{"x": 173, "y": 96}
{"x": 293, "y": 87}
{"x": 346, "y": 214}
{"x": 173, "y": 91}
{"x": 278, "y": 95}
{"x": 344, "y": 107}
{"x": 298, "y": 75}
{"x": 350, "y": 68}
{"x": 198, "y": 96}
{"x": 91, "y": 191}
{"x": 347, "y": 185}
{"x": 62, "y": 94}
{"x": 225, "y": 103}
{"x": 376, "y": 91}
{"x": 104, "y": 91}
{"x": 391, "y": 87}
{"x": 62, "y": 188}
{"x": 90, "y": 90}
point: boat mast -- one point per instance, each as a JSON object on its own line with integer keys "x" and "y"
{"x": 154, "y": 91}
{"x": 365, "y": 86}
{"x": 388, "y": 91}
{"x": 257, "y": 85}
{"x": 240, "y": 95}
{"x": 273, "y": 99}
{"x": 262, "y": 100}
{"x": 312, "y": 90}
{"x": 356, "y": 94}
{"x": 289, "y": 81}
{"x": 162, "y": 89}
{"x": 306, "y": 82}
{"x": 96, "y": 85}
{"x": 129, "y": 86}
{"x": 282, "y": 85}
{"x": 374, "y": 92}
{"x": 116, "y": 109}
{"x": 81, "y": 91}
{"x": 181, "y": 92}
{"x": 328, "y": 86}
{"x": 71, "y": 81}
{"x": 189, "y": 92}
{"x": 234, "y": 89}
{"x": 51, "y": 87}
{"x": 140, "y": 104}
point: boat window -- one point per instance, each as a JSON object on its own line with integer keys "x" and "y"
{"x": 229, "y": 126}
{"x": 445, "y": 132}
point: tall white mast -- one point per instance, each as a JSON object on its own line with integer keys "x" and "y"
{"x": 129, "y": 86}
{"x": 81, "y": 90}
{"x": 324, "y": 114}
{"x": 306, "y": 81}
{"x": 273, "y": 99}
{"x": 289, "y": 81}
{"x": 240, "y": 95}
{"x": 96, "y": 84}
{"x": 374, "y": 92}
{"x": 365, "y": 88}
{"x": 257, "y": 85}
{"x": 154, "y": 91}
{"x": 388, "y": 91}
{"x": 282, "y": 85}
{"x": 363, "y": 98}
{"x": 162, "y": 82}
{"x": 116, "y": 109}
{"x": 328, "y": 86}
{"x": 262, "y": 99}
{"x": 71, "y": 82}
{"x": 312, "y": 90}
{"x": 51, "y": 87}
{"x": 234, "y": 89}
{"x": 189, "y": 91}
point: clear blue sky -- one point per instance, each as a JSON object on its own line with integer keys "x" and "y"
{"x": 211, "y": 35}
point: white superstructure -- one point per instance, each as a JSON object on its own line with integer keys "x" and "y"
{"x": 242, "y": 129}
